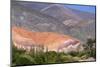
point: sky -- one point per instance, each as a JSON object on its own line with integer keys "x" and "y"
{"x": 85, "y": 8}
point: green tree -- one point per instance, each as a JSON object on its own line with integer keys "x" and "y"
{"x": 90, "y": 47}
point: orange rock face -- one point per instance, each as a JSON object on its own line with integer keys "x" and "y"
{"x": 27, "y": 40}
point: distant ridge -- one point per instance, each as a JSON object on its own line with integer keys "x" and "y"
{"x": 53, "y": 18}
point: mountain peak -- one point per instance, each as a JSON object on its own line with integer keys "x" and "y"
{"x": 50, "y": 6}
{"x": 60, "y": 11}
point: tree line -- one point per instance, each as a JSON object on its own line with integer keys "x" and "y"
{"x": 21, "y": 57}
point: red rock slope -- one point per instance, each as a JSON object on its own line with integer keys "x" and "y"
{"x": 27, "y": 40}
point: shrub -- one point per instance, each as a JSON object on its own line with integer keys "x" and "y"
{"x": 21, "y": 57}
